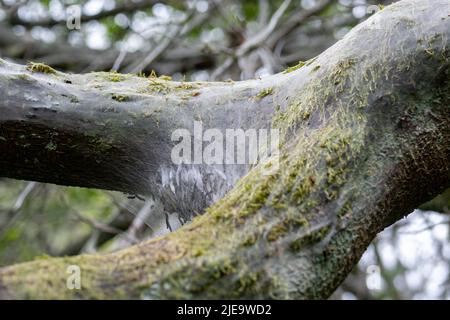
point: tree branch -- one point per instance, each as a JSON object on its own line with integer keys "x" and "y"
{"x": 125, "y": 7}
{"x": 62, "y": 55}
{"x": 365, "y": 139}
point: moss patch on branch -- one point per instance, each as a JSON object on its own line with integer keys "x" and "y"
{"x": 40, "y": 67}
{"x": 120, "y": 97}
{"x": 296, "y": 67}
{"x": 264, "y": 93}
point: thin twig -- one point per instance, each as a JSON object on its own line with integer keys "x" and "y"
{"x": 97, "y": 224}
{"x": 253, "y": 42}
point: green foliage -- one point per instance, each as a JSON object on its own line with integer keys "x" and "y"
{"x": 113, "y": 31}
{"x": 48, "y": 222}
{"x": 296, "y": 67}
{"x": 264, "y": 93}
{"x": 250, "y": 9}
{"x": 46, "y": 3}
{"x": 40, "y": 67}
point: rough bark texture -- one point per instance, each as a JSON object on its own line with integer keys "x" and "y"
{"x": 365, "y": 139}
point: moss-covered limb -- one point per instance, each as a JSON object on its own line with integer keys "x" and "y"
{"x": 114, "y": 131}
{"x": 366, "y": 139}
{"x": 108, "y": 130}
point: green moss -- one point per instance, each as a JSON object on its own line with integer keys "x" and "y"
{"x": 40, "y": 67}
{"x": 154, "y": 76}
{"x": 306, "y": 114}
{"x": 314, "y": 171}
{"x": 429, "y": 51}
{"x": 247, "y": 281}
{"x": 51, "y": 146}
{"x": 158, "y": 86}
{"x": 250, "y": 240}
{"x": 277, "y": 231}
{"x": 310, "y": 238}
{"x": 303, "y": 190}
{"x": 120, "y": 97}
{"x": 346, "y": 210}
{"x": 165, "y": 78}
{"x": 188, "y": 86}
{"x": 296, "y": 67}
{"x": 115, "y": 77}
{"x": 339, "y": 72}
{"x": 100, "y": 145}
{"x": 264, "y": 93}
{"x": 256, "y": 194}
{"x": 316, "y": 68}
{"x": 198, "y": 251}
{"x": 321, "y": 89}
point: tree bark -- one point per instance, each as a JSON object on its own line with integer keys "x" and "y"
{"x": 365, "y": 139}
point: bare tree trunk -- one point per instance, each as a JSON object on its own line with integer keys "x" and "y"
{"x": 365, "y": 139}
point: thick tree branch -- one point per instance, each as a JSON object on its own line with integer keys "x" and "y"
{"x": 112, "y": 131}
{"x": 365, "y": 139}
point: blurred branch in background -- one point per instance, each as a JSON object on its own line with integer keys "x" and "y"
{"x": 439, "y": 204}
{"x": 124, "y": 7}
{"x": 172, "y": 34}
{"x": 112, "y": 38}
{"x": 12, "y": 214}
